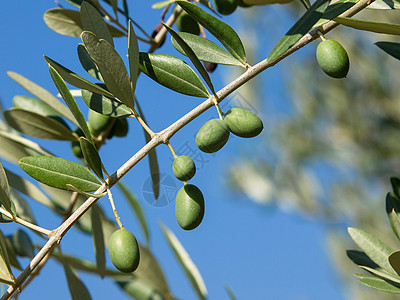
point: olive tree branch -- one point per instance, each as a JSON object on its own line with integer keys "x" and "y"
{"x": 165, "y": 135}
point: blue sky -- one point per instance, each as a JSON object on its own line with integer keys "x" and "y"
{"x": 261, "y": 252}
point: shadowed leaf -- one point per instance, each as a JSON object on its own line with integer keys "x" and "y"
{"x": 133, "y": 56}
{"x": 6, "y": 275}
{"x": 87, "y": 62}
{"x": 98, "y": 241}
{"x": 76, "y": 287}
{"x": 91, "y": 156}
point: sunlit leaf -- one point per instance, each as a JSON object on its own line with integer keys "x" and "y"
{"x": 92, "y": 21}
{"x": 58, "y": 172}
{"x": 206, "y": 50}
{"x": 70, "y": 101}
{"x": 186, "y": 263}
{"x": 222, "y": 31}
{"x": 77, "y": 80}
{"x": 76, "y": 287}
{"x": 334, "y": 10}
{"x": 87, "y": 62}
{"x": 172, "y": 73}
{"x": 92, "y": 157}
{"x": 133, "y": 56}
{"x": 43, "y": 95}
{"x": 384, "y": 4}
{"x": 98, "y": 241}
{"x": 382, "y": 274}
{"x": 376, "y": 27}
{"x": 137, "y": 209}
{"x": 373, "y": 247}
{"x": 106, "y": 106}
{"x": 36, "y": 125}
{"x": 111, "y": 66}
{"x": 192, "y": 56}
{"x": 378, "y": 283}
{"x": 6, "y": 275}
{"x": 392, "y": 49}
{"x": 162, "y": 4}
{"x": 302, "y": 26}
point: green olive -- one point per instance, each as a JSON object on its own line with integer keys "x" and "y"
{"x": 120, "y": 128}
{"x": 98, "y": 122}
{"x": 22, "y": 244}
{"x": 186, "y": 23}
{"x": 333, "y": 59}
{"x": 226, "y": 7}
{"x": 184, "y": 168}
{"x": 243, "y": 123}
{"x": 212, "y": 136}
{"x": 124, "y": 251}
{"x": 189, "y": 207}
{"x": 76, "y": 149}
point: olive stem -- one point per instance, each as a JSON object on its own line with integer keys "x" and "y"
{"x": 321, "y": 35}
{"x": 216, "y": 100}
{"x": 25, "y": 223}
{"x": 172, "y": 150}
{"x": 143, "y": 123}
{"x": 117, "y": 218}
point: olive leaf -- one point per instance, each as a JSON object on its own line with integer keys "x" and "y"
{"x": 70, "y": 101}
{"x": 392, "y": 49}
{"x": 98, "y": 240}
{"x": 6, "y": 275}
{"x": 172, "y": 73}
{"x": 302, "y": 26}
{"x": 230, "y": 292}
{"x": 377, "y": 27}
{"x": 77, "y": 80}
{"x": 137, "y": 209}
{"x": 21, "y": 145}
{"x": 58, "y": 172}
{"x": 162, "y": 4}
{"x": 133, "y": 56}
{"x": 384, "y": 4}
{"x": 76, "y": 287}
{"x": 94, "y": 195}
{"x": 378, "y": 283}
{"x": 43, "y": 95}
{"x": 92, "y": 157}
{"x": 22, "y": 207}
{"x": 111, "y": 66}
{"x": 334, "y": 10}
{"x": 92, "y": 21}
{"x": 395, "y": 182}
{"x": 222, "y": 31}
{"x": 5, "y": 191}
{"x": 33, "y": 124}
{"x": 87, "y": 62}
{"x": 186, "y": 263}
{"x": 12, "y": 256}
{"x": 394, "y": 260}
{"x": 206, "y": 50}
{"x": 393, "y": 212}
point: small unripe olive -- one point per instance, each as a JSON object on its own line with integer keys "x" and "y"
{"x": 186, "y": 23}
{"x": 333, "y": 59}
{"x": 212, "y": 136}
{"x": 226, "y": 7}
{"x": 98, "y": 122}
{"x": 124, "y": 251}
{"x": 184, "y": 168}
{"x": 189, "y": 207}
{"x": 22, "y": 244}
{"x": 243, "y": 123}
{"x": 120, "y": 128}
{"x": 76, "y": 149}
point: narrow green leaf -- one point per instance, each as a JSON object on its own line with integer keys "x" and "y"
{"x": 87, "y": 62}
{"x": 58, "y": 172}
{"x": 162, "y": 4}
{"x": 383, "y": 275}
{"x": 133, "y": 56}
{"x": 393, "y": 212}
{"x": 378, "y": 283}
{"x": 394, "y": 260}
{"x": 361, "y": 259}
{"x": 68, "y": 22}
{"x": 384, "y": 4}
{"x": 395, "y": 182}
{"x": 153, "y": 161}
{"x": 5, "y": 192}
{"x": 193, "y": 58}
{"x": 111, "y": 66}
{"x": 22, "y": 208}
{"x": 376, "y": 27}
{"x": 186, "y": 263}
{"x": 172, "y": 73}
{"x": 11, "y": 150}
{"x": 334, "y": 10}
{"x": 24, "y": 143}
{"x": 137, "y": 209}
{"x": 12, "y": 256}
{"x": 6, "y": 275}
{"x": 29, "y": 189}
{"x": 70, "y": 101}
{"x": 392, "y": 49}
{"x": 94, "y": 195}
{"x": 36, "y": 125}
{"x": 92, "y": 157}
{"x": 43, "y": 95}
{"x": 76, "y": 287}
{"x": 206, "y": 50}
{"x": 230, "y": 292}
{"x": 4, "y": 218}
{"x": 92, "y": 21}
{"x": 106, "y": 106}
{"x": 223, "y": 32}
{"x": 373, "y": 247}
{"x": 302, "y": 26}
{"x": 77, "y": 80}
{"x": 98, "y": 241}
{"x": 138, "y": 289}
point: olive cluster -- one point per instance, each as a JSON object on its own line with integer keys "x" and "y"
{"x": 211, "y": 137}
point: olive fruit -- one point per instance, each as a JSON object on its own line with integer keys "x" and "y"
{"x": 333, "y": 59}
{"x": 22, "y": 244}
{"x": 226, "y": 7}
{"x": 98, "y": 122}
{"x": 76, "y": 149}
{"x": 186, "y": 23}
{"x": 120, "y": 128}
{"x": 212, "y": 136}
{"x": 184, "y": 168}
{"x": 243, "y": 123}
{"x": 124, "y": 251}
{"x": 189, "y": 207}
